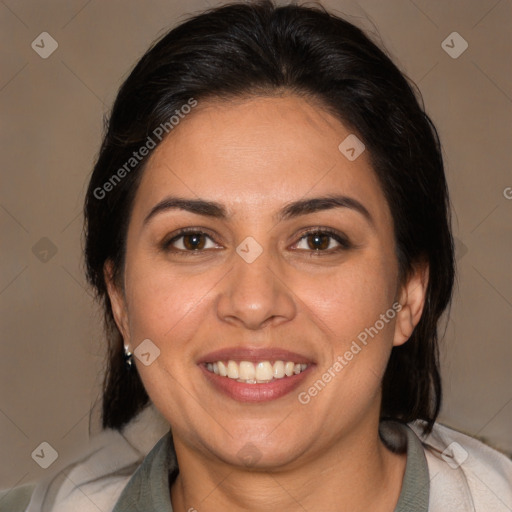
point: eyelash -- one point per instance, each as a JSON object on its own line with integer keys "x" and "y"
{"x": 344, "y": 243}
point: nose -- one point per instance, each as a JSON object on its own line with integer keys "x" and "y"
{"x": 255, "y": 294}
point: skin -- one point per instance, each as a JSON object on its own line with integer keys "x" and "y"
{"x": 255, "y": 156}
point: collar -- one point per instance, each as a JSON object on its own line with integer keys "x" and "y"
{"x": 148, "y": 490}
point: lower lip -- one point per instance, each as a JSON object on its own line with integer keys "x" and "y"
{"x": 255, "y": 392}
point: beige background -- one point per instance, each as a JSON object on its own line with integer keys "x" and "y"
{"x": 51, "y": 125}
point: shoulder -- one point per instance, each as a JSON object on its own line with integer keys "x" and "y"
{"x": 16, "y": 499}
{"x": 96, "y": 478}
{"x": 465, "y": 474}
{"x": 91, "y": 481}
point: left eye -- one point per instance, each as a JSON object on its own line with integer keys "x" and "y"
{"x": 321, "y": 241}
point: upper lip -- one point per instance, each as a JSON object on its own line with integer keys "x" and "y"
{"x": 253, "y": 355}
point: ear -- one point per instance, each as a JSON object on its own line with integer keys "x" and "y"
{"x": 412, "y": 300}
{"x": 117, "y": 301}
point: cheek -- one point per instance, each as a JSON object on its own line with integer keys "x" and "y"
{"x": 169, "y": 309}
{"x": 353, "y": 296}
{"x": 351, "y": 305}
{"x": 162, "y": 302}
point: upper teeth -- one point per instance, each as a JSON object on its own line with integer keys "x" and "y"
{"x": 252, "y": 373}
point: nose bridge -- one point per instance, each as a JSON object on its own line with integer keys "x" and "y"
{"x": 254, "y": 293}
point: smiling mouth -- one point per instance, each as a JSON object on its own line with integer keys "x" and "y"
{"x": 261, "y": 372}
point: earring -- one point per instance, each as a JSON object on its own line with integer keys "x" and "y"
{"x": 128, "y": 358}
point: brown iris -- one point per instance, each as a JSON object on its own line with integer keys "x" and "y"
{"x": 320, "y": 241}
{"x": 194, "y": 241}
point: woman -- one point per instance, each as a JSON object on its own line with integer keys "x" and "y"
{"x": 268, "y": 228}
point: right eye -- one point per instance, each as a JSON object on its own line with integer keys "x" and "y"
{"x": 191, "y": 241}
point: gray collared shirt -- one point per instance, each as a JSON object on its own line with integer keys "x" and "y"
{"x": 148, "y": 490}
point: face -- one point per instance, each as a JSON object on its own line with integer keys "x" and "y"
{"x": 286, "y": 268}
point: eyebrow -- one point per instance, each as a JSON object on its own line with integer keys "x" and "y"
{"x": 289, "y": 211}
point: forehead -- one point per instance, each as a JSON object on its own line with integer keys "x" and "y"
{"x": 258, "y": 152}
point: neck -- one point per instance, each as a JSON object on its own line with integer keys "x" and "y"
{"x": 357, "y": 472}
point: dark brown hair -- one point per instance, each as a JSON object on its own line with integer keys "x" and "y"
{"x": 245, "y": 49}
